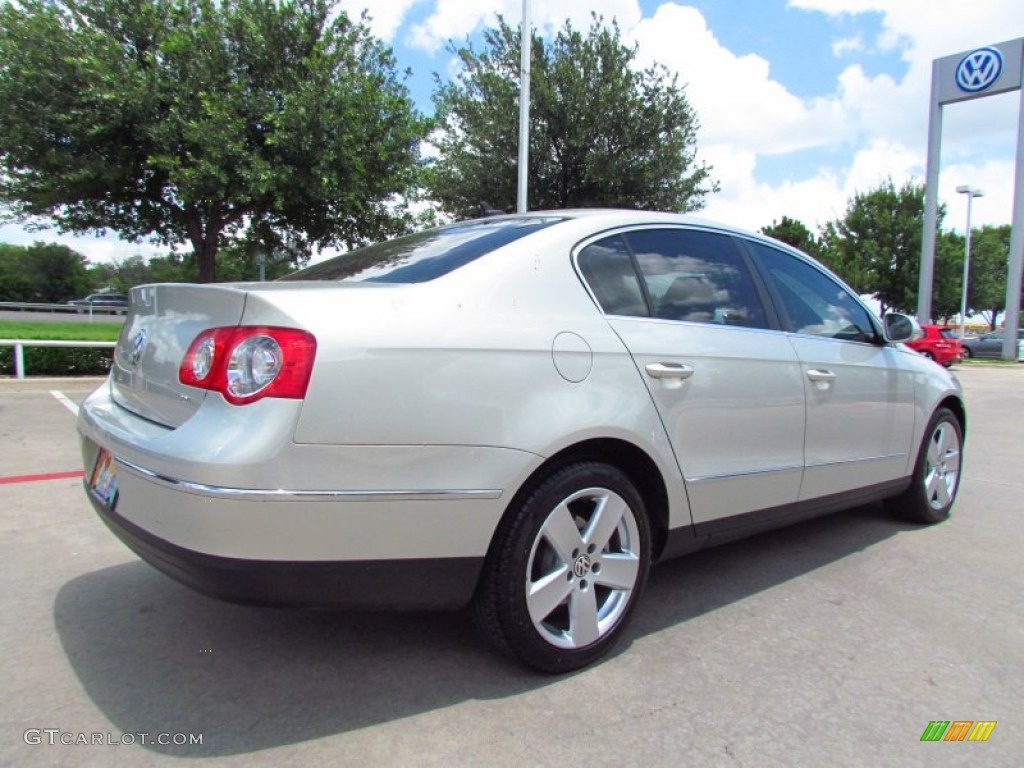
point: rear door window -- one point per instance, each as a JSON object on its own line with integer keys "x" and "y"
{"x": 696, "y": 276}
{"x": 608, "y": 269}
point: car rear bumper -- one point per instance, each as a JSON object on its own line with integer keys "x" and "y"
{"x": 414, "y": 583}
{"x": 272, "y": 521}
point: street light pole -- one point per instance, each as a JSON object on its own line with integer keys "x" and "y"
{"x": 971, "y": 193}
{"x": 525, "y": 46}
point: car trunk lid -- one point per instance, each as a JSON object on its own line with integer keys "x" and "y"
{"x": 161, "y": 324}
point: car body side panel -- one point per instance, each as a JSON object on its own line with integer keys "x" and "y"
{"x": 737, "y": 424}
{"x": 932, "y": 385}
{"x": 859, "y": 425}
{"x": 479, "y": 357}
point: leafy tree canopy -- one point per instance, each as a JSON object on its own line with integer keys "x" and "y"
{"x": 876, "y": 245}
{"x": 42, "y": 272}
{"x": 201, "y": 121}
{"x": 990, "y": 255}
{"x": 602, "y": 132}
{"x": 948, "y": 280}
{"x": 793, "y": 232}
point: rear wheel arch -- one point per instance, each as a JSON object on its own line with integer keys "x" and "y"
{"x": 633, "y": 461}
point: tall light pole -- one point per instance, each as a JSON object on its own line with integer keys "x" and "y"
{"x": 971, "y": 193}
{"x": 525, "y": 49}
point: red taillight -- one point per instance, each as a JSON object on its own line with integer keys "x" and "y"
{"x": 246, "y": 363}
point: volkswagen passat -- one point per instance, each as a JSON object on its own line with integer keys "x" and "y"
{"x": 521, "y": 413}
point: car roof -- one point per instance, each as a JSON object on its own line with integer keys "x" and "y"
{"x": 612, "y": 218}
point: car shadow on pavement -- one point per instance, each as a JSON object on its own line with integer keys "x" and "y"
{"x": 156, "y": 657}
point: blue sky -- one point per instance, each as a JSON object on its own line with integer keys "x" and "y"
{"x": 802, "y": 103}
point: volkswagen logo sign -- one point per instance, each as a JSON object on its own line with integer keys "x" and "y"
{"x": 979, "y": 69}
{"x": 138, "y": 343}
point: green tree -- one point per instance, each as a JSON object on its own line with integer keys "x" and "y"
{"x": 948, "y": 281}
{"x": 602, "y": 132}
{"x": 876, "y": 245}
{"x": 990, "y": 255}
{"x": 130, "y": 272}
{"x": 200, "y": 121}
{"x": 173, "y": 268}
{"x": 793, "y": 232}
{"x": 43, "y": 272}
{"x": 17, "y": 279}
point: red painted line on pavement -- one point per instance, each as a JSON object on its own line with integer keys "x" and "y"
{"x": 36, "y": 478}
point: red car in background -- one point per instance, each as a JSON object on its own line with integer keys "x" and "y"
{"x": 940, "y": 344}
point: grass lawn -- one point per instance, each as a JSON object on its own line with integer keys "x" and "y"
{"x": 17, "y": 329}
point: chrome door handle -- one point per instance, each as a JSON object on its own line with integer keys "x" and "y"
{"x": 821, "y": 376}
{"x": 668, "y": 371}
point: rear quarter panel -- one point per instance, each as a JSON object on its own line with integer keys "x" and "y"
{"x": 469, "y": 359}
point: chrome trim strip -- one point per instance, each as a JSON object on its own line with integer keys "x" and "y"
{"x": 258, "y": 494}
{"x": 890, "y": 457}
{"x": 751, "y": 473}
{"x": 772, "y": 470}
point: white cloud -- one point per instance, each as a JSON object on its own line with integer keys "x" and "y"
{"x": 882, "y": 160}
{"x": 994, "y": 178}
{"x": 386, "y": 16}
{"x": 736, "y": 99}
{"x": 837, "y": 7}
{"x": 746, "y": 202}
{"x": 848, "y": 45}
{"x": 455, "y": 19}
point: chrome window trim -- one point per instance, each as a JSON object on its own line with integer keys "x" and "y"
{"x": 259, "y": 494}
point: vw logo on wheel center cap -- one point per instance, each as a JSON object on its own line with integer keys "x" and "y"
{"x": 581, "y": 566}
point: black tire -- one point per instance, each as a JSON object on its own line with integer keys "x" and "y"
{"x": 967, "y": 353}
{"x": 928, "y": 354}
{"x": 566, "y": 569}
{"x": 936, "y": 480}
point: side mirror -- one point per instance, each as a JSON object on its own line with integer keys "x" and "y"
{"x": 901, "y": 327}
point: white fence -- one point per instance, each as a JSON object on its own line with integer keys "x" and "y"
{"x": 20, "y": 344}
{"x": 23, "y": 306}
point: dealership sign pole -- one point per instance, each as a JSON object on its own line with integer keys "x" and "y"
{"x": 971, "y": 75}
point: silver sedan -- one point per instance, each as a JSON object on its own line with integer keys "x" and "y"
{"x": 520, "y": 413}
{"x": 988, "y": 344}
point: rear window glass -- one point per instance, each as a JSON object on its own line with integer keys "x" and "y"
{"x": 423, "y": 256}
{"x": 947, "y": 333}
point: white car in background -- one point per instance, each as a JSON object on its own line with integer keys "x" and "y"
{"x": 522, "y": 413}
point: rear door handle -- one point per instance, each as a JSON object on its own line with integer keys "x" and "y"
{"x": 816, "y": 375}
{"x": 668, "y": 371}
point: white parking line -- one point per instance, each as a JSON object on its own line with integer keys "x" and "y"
{"x": 65, "y": 401}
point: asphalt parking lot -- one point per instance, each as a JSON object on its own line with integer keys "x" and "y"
{"x": 832, "y": 643}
